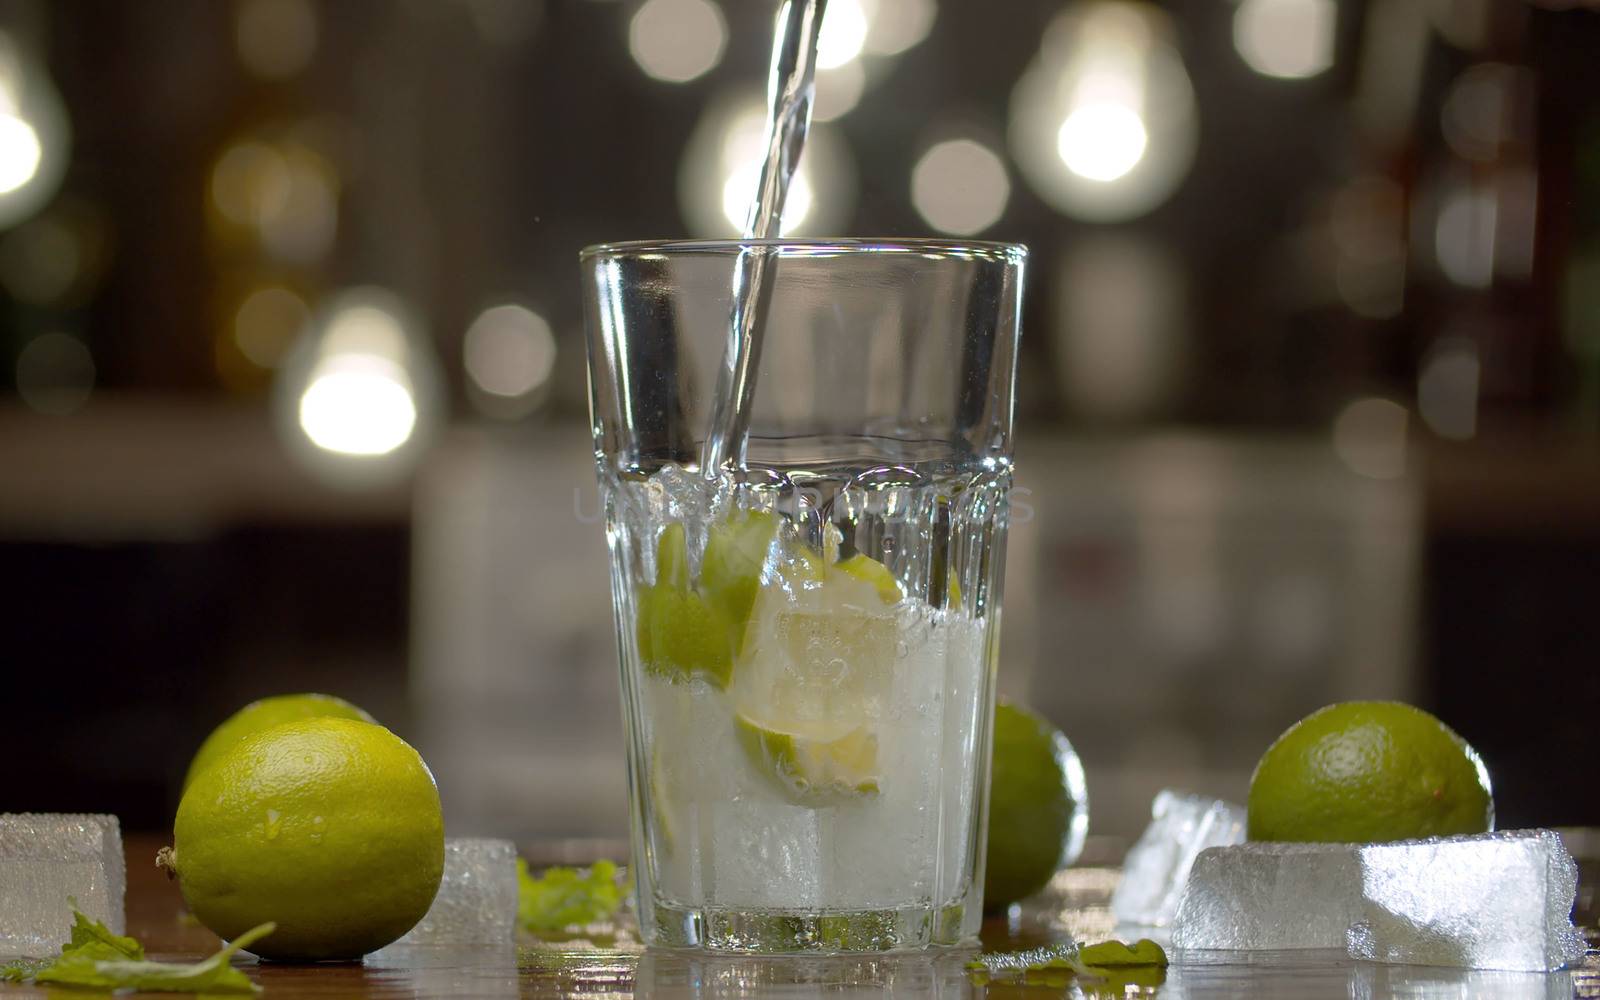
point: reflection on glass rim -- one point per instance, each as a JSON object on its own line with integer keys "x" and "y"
{"x": 814, "y": 247}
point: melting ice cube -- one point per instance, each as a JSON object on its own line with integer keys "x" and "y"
{"x": 477, "y": 900}
{"x": 1494, "y": 901}
{"x": 1181, "y": 826}
{"x": 47, "y": 858}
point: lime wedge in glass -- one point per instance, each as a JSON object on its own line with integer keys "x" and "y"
{"x": 812, "y": 765}
{"x": 870, "y": 570}
{"x": 680, "y": 633}
{"x": 730, "y": 571}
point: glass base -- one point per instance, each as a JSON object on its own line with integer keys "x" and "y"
{"x": 774, "y": 932}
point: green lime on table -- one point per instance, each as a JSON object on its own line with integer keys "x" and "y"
{"x": 265, "y": 714}
{"x": 1369, "y": 771}
{"x": 1038, "y": 806}
{"x": 331, "y": 828}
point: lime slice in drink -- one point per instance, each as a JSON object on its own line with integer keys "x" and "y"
{"x": 813, "y": 765}
{"x": 816, "y": 671}
{"x": 730, "y": 571}
{"x": 680, "y": 633}
{"x": 870, "y": 570}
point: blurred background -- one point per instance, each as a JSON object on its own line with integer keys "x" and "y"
{"x": 292, "y": 385}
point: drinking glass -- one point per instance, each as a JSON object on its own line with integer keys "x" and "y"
{"x": 807, "y": 633}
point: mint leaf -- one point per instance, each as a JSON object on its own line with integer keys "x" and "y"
{"x": 92, "y": 938}
{"x": 565, "y": 897}
{"x": 214, "y": 975}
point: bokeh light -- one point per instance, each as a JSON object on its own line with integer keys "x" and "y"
{"x": 1464, "y": 235}
{"x": 275, "y": 38}
{"x": 34, "y": 133}
{"x": 843, "y": 34}
{"x": 1103, "y": 141}
{"x": 1289, "y": 39}
{"x": 358, "y": 390}
{"x": 897, "y": 25}
{"x": 740, "y": 187}
{"x": 1447, "y": 388}
{"x": 1485, "y": 108}
{"x": 249, "y": 180}
{"x": 1369, "y": 436}
{"x": 838, "y": 91}
{"x": 677, "y": 40}
{"x": 20, "y": 153}
{"x": 722, "y": 163}
{"x": 1462, "y": 23}
{"x": 305, "y": 224}
{"x": 267, "y": 322}
{"x": 284, "y": 194}
{"x": 508, "y": 353}
{"x": 1367, "y": 225}
{"x": 55, "y": 374}
{"x": 358, "y": 399}
{"x": 960, "y": 186}
{"x": 358, "y": 405}
{"x": 1102, "y": 122}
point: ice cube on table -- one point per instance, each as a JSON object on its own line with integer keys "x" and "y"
{"x": 1499, "y": 901}
{"x": 47, "y": 859}
{"x": 1493, "y": 901}
{"x": 1270, "y": 896}
{"x": 1181, "y": 826}
{"x": 477, "y": 900}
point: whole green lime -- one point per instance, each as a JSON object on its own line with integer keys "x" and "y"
{"x": 1369, "y": 771}
{"x": 331, "y": 828}
{"x": 264, "y": 714}
{"x": 1038, "y": 806}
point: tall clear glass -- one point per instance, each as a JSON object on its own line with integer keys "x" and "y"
{"x": 808, "y": 637}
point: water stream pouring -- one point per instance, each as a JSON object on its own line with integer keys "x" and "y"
{"x": 791, "y": 86}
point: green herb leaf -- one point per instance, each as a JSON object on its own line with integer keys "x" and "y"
{"x": 214, "y": 975}
{"x": 566, "y": 897}
{"x": 93, "y": 939}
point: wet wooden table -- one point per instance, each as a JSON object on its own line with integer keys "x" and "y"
{"x": 155, "y": 908}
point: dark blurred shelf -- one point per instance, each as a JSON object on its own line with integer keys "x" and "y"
{"x": 1514, "y": 485}
{"x": 163, "y": 468}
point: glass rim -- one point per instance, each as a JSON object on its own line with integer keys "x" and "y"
{"x": 1015, "y": 253}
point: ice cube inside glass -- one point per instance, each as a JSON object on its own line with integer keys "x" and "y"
{"x": 808, "y": 633}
